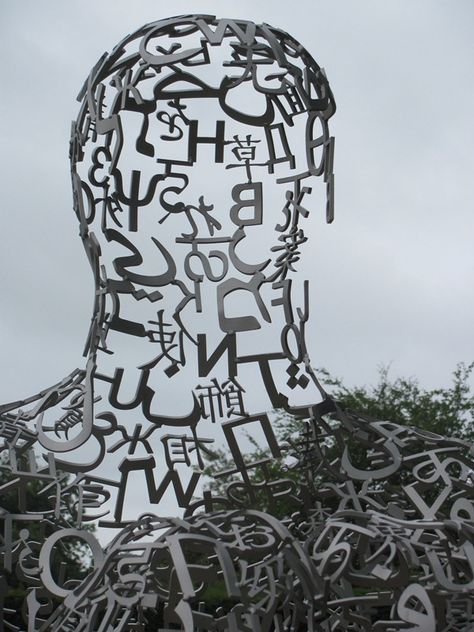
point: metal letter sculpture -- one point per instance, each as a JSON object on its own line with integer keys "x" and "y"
{"x": 199, "y": 147}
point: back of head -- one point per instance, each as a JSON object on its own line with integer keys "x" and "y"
{"x": 259, "y": 76}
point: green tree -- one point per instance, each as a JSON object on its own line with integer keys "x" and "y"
{"x": 70, "y": 562}
{"x": 446, "y": 411}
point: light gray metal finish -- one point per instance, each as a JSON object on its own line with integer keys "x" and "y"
{"x": 340, "y": 547}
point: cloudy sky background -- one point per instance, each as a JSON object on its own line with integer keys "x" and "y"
{"x": 391, "y": 278}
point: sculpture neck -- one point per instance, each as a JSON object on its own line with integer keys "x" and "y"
{"x": 145, "y": 346}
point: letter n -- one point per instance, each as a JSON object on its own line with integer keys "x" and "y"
{"x": 206, "y": 363}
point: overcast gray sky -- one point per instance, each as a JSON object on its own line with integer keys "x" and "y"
{"x": 392, "y": 277}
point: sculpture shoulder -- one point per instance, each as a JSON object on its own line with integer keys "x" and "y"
{"x": 407, "y": 437}
{"x": 58, "y": 400}
{"x": 398, "y": 466}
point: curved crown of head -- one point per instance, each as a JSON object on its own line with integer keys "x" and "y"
{"x": 173, "y": 57}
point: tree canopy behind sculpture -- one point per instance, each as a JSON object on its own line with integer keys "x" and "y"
{"x": 70, "y": 560}
{"x": 447, "y": 411}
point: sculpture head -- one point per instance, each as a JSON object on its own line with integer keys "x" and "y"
{"x": 193, "y": 135}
